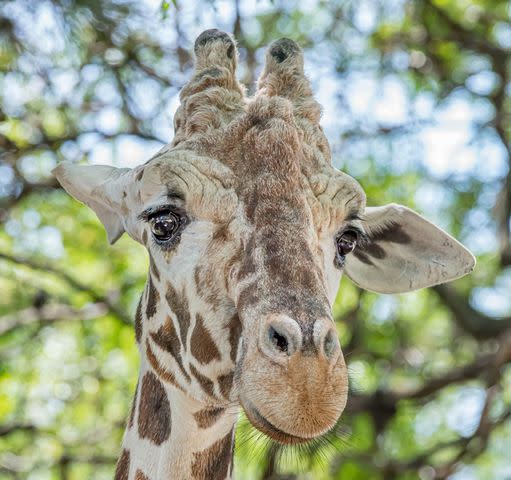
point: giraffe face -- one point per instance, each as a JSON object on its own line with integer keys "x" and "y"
{"x": 263, "y": 253}
{"x": 249, "y": 229}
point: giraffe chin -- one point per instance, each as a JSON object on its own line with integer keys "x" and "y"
{"x": 266, "y": 427}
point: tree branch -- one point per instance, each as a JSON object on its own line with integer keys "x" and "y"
{"x": 16, "y": 427}
{"x": 468, "y": 37}
{"x": 27, "y": 189}
{"x": 386, "y": 401}
{"x": 49, "y": 314}
{"x": 477, "y": 324}
{"x": 77, "y": 285}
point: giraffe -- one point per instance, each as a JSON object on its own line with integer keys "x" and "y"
{"x": 249, "y": 229}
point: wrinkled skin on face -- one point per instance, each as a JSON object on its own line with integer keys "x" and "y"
{"x": 249, "y": 229}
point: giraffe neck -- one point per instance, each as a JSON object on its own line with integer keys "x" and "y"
{"x": 170, "y": 435}
{"x": 182, "y": 420}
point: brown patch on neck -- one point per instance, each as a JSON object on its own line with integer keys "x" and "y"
{"x": 225, "y": 384}
{"x": 154, "y": 417}
{"x": 166, "y": 338}
{"x": 122, "y": 469}
{"x": 214, "y": 462}
{"x": 207, "y": 385}
{"x": 234, "y": 327}
{"x": 138, "y": 321}
{"x": 202, "y": 346}
{"x": 153, "y": 297}
{"x": 133, "y": 408}
{"x": 162, "y": 372}
{"x": 207, "y": 417}
{"x": 179, "y": 306}
{"x": 140, "y": 476}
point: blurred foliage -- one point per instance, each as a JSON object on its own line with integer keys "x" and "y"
{"x": 417, "y": 99}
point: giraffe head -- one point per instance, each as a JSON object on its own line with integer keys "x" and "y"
{"x": 249, "y": 229}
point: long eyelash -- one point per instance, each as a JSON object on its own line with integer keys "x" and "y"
{"x": 158, "y": 210}
{"x": 358, "y": 216}
{"x": 354, "y": 216}
{"x": 363, "y": 239}
{"x": 151, "y": 211}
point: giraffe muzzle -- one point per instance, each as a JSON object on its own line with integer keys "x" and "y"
{"x": 293, "y": 383}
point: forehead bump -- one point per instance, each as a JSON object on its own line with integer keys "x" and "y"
{"x": 283, "y": 76}
{"x": 213, "y": 96}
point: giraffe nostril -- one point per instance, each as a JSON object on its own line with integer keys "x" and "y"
{"x": 279, "y": 337}
{"x": 278, "y": 340}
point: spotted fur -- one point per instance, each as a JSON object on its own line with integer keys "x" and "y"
{"x": 213, "y": 463}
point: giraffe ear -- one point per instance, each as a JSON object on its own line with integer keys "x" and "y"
{"x": 405, "y": 252}
{"x": 100, "y": 188}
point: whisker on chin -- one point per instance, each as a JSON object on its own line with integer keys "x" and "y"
{"x": 303, "y": 457}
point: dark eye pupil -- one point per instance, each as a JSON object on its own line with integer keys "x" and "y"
{"x": 164, "y": 226}
{"x": 346, "y": 243}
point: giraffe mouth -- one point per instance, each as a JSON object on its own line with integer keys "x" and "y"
{"x": 265, "y": 426}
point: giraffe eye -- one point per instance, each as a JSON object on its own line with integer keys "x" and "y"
{"x": 165, "y": 226}
{"x": 346, "y": 242}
